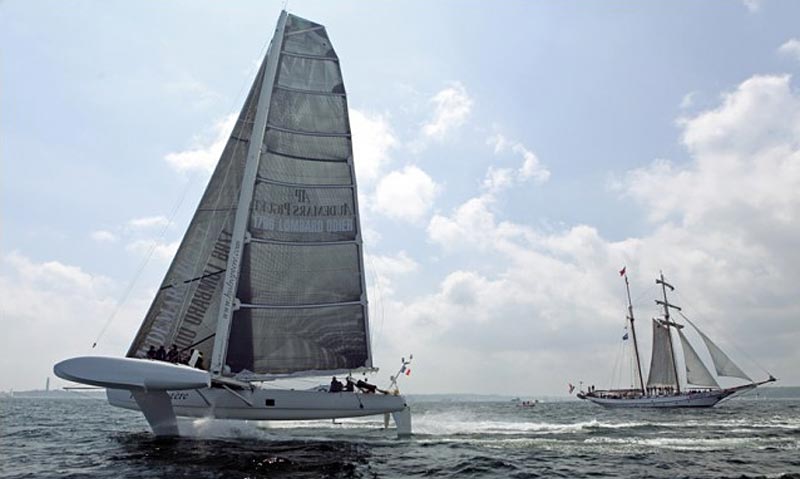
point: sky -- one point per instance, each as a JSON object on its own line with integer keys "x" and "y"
{"x": 511, "y": 158}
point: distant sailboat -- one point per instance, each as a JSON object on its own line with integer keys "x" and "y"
{"x": 268, "y": 281}
{"x": 663, "y": 388}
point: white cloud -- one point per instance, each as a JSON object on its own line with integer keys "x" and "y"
{"x": 752, "y": 6}
{"x": 158, "y": 250}
{"x": 471, "y": 224}
{"x": 147, "y": 222}
{"x": 103, "y": 236}
{"x": 205, "y": 152}
{"x": 498, "y": 179}
{"x": 531, "y": 167}
{"x": 373, "y": 140}
{"x": 725, "y": 229}
{"x": 198, "y": 93}
{"x": 406, "y": 194}
{"x": 498, "y": 142}
{"x": 688, "y": 100}
{"x": 383, "y": 269}
{"x": 746, "y": 159}
{"x": 56, "y": 311}
{"x": 791, "y": 48}
{"x": 452, "y": 106}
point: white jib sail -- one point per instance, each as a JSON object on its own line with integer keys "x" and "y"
{"x": 662, "y": 370}
{"x": 696, "y": 372}
{"x": 722, "y": 363}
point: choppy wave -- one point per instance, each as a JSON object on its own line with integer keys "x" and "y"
{"x": 51, "y": 438}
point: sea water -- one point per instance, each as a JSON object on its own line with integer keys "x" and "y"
{"x": 88, "y": 438}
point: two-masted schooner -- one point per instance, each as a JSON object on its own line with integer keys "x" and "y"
{"x": 268, "y": 281}
{"x": 664, "y": 388}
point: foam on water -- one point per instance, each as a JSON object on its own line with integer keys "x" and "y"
{"x": 495, "y": 440}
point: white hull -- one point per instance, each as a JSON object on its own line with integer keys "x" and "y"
{"x": 688, "y": 400}
{"x": 161, "y": 408}
{"x": 164, "y": 391}
{"x": 286, "y": 405}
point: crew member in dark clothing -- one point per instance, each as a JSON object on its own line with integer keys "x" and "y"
{"x": 151, "y": 353}
{"x": 161, "y": 354}
{"x": 173, "y": 354}
{"x": 336, "y": 386}
{"x": 366, "y": 387}
{"x": 349, "y": 386}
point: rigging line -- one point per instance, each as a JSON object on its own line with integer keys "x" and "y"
{"x": 145, "y": 260}
{"x": 216, "y": 201}
{"x": 613, "y": 377}
{"x": 152, "y": 248}
{"x": 376, "y": 282}
{"x": 637, "y": 301}
{"x": 731, "y": 343}
{"x": 739, "y": 350}
{"x": 192, "y": 280}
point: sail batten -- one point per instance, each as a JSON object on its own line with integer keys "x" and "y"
{"x": 322, "y": 134}
{"x": 272, "y": 267}
{"x": 284, "y": 183}
{"x": 299, "y": 306}
{"x": 302, "y": 297}
{"x": 310, "y": 56}
{"x": 310, "y": 92}
{"x": 696, "y": 372}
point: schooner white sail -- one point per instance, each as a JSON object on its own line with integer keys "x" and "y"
{"x": 268, "y": 281}
{"x": 663, "y": 388}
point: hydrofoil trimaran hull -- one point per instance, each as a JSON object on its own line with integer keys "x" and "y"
{"x": 165, "y": 391}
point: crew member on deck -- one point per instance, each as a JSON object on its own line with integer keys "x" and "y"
{"x": 349, "y": 385}
{"x": 151, "y": 353}
{"x": 161, "y": 354}
{"x": 173, "y": 354}
{"x": 336, "y": 386}
{"x": 366, "y": 387}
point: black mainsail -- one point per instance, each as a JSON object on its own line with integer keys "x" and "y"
{"x": 269, "y": 279}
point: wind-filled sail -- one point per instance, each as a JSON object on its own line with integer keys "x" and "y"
{"x": 722, "y": 363}
{"x": 696, "y": 372}
{"x": 185, "y": 309}
{"x": 302, "y": 301}
{"x": 662, "y": 371}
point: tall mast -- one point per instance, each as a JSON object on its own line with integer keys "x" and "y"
{"x": 238, "y": 240}
{"x": 668, "y": 323}
{"x": 633, "y": 332}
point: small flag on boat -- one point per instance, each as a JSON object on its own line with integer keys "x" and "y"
{"x": 622, "y": 271}
{"x": 625, "y": 337}
{"x": 571, "y": 388}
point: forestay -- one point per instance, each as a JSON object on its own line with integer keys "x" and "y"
{"x": 185, "y": 309}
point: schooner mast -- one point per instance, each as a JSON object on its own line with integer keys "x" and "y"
{"x": 667, "y": 322}
{"x": 633, "y": 332}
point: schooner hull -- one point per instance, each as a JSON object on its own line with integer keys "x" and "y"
{"x": 268, "y": 404}
{"x": 691, "y": 400}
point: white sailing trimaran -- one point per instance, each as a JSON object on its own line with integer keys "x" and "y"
{"x": 268, "y": 281}
{"x": 663, "y": 387}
